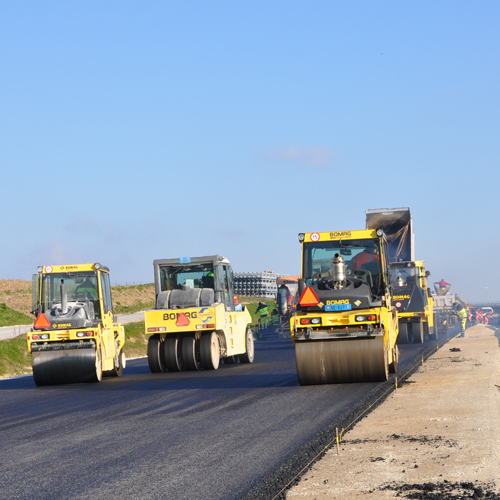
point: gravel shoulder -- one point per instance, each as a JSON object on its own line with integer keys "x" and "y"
{"x": 437, "y": 436}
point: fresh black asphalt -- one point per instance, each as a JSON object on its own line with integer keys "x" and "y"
{"x": 191, "y": 435}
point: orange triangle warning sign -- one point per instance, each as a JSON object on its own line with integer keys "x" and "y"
{"x": 308, "y": 298}
{"x": 182, "y": 320}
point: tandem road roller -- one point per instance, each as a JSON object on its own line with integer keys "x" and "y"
{"x": 196, "y": 323}
{"x": 346, "y": 327}
{"x": 74, "y": 338}
{"x": 414, "y": 302}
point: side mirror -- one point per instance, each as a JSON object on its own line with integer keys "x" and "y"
{"x": 302, "y": 286}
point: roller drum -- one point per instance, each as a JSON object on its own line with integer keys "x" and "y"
{"x": 341, "y": 361}
{"x": 64, "y": 366}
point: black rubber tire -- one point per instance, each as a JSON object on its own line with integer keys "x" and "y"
{"x": 403, "y": 333}
{"x": 191, "y": 363}
{"x": 393, "y": 367}
{"x": 249, "y": 354}
{"x": 210, "y": 351}
{"x": 173, "y": 354}
{"x": 230, "y": 360}
{"x": 417, "y": 330}
{"x": 156, "y": 358}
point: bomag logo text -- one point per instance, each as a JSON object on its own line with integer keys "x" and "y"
{"x": 401, "y": 297}
{"x": 61, "y": 325}
{"x": 174, "y": 316}
{"x": 340, "y": 234}
{"x": 337, "y": 302}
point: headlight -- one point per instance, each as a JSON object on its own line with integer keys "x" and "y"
{"x": 301, "y": 237}
{"x": 380, "y": 232}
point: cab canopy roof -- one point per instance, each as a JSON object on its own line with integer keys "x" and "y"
{"x": 211, "y": 259}
{"x": 72, "y": 268}
{"x": 339, "y": 235}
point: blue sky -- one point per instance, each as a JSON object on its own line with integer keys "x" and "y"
{"x": 133, "y": 130}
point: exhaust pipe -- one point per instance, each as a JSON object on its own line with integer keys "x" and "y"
{"x": 64, "y": 298}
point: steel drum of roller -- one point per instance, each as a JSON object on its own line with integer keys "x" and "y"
{"x": 341, "y": 361}
{"x": 66, "y": 366}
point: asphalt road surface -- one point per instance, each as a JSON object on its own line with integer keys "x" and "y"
{"x": 190, "y": 435}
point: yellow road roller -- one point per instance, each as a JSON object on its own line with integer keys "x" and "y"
{"x": 414, "y": 302}
{"x": 345, "y": 327}
{"x": 196, "y": 322}
{"x": 74, "y": 338}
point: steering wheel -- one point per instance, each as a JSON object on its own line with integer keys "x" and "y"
{"x": 364, "y": 275}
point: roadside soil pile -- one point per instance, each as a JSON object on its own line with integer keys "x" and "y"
{"x": 16, "y": 294}
{"x": 133, "y": 298}
{"x": 436, "y": 437}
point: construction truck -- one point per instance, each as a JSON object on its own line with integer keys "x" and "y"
{"x": 74, "y": 338}
{"x": 345, "y": 327}
{"x": 411, "y": 296}
{"x": 414, "y": 302}
{"x": 196, "y": 322}
{"x": 397, "y": 225}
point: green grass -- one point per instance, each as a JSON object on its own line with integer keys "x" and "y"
{"x": 136, "y": 340}
{"x": 138, "y": 306}
{"x": 9, "y": 317}
{"x": 14, "y": 357}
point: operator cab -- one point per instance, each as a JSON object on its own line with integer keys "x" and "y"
{"x": 71, "y": 298}
{"x": 361, "y": 258}
{"x": 197, "y": 283}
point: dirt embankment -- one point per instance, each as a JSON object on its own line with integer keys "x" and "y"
{"x": 437, "y": 437}
{"x": 16, "y": 294}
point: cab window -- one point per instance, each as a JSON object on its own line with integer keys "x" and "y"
{"x": 106, "y": 293}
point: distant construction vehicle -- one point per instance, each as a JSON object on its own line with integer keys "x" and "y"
{"x": 74, "y": 338}
{"x": 196, "y": 323}
{"x": 411, "y": 294}
{"x": 346, "y": 326}
{"x": 414, "y": 302}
